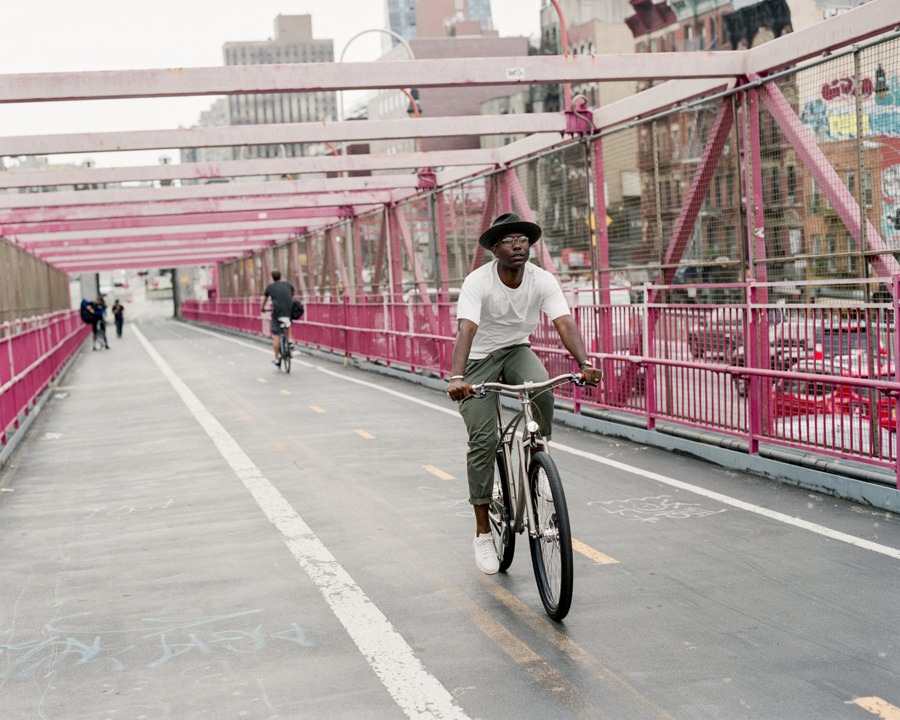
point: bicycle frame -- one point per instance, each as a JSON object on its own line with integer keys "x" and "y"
{"x": 513, "y": 445}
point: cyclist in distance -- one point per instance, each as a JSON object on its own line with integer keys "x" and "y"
{"x": 281, "y": 293}
{"x": 499, "y": 307}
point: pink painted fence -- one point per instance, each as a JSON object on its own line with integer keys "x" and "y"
{"x": 811, "y": 378}
{"x": 32, "y": 354}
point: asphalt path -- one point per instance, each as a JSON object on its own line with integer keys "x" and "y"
{"x": 187, "y": 532}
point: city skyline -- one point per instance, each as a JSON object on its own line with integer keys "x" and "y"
{"x": 58, "y": 36}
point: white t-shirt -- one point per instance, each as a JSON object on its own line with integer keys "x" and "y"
{"x": 506, "y": 316}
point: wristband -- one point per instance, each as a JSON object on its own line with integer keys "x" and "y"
{"x": 457, "y": 377}
{"x": 585, "y": 364}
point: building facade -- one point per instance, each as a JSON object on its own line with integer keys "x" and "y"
{"x": 293, "y": 43}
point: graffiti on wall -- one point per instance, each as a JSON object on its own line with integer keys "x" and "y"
{"x": 833, "y": 115}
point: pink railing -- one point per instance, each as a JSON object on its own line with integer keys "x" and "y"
{"x": 32, "y": 354}
{"x": 813, "y": 378}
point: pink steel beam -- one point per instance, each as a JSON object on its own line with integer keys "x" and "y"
{"x": 142, "y": 263}
{"x": 274, "y": 134}
{"x": 240, "y": 168}
{"x": 443, "y": 72}
{"x": 207, "y": 218}
{"x": 146, "y": 253}
{"x": 860, "y": 23}
{"x": 150, "y": 257}
{"x": 841, "y": 199}
{"x": 865, "y": 21}
{"x": 268, "y": 203}
{"x": 264, "y": 233}
{"x": 273, "y": 188}
{"x": 206, "y": 230}
{"x": 684, "y": 226}
{"x": 418, "y": 275}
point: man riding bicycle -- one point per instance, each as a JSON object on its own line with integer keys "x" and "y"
{"x": 281, "y": 293}
{"x": 499, "y": 307}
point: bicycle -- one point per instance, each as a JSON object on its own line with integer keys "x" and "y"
{"x": 284, "y": 346}
{"x": 538, "y": 505}
{"x": 99, "y": 336}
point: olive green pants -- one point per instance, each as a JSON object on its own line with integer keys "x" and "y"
{"x": 517, "y": 364}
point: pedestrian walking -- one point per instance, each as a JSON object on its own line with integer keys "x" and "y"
{"x": 118, "y": 310}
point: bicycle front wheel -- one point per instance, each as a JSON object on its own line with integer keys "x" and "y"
{"x": 500, "y": 515}
{"x": 285, "y": 354}
{"x": 551, "y": 540}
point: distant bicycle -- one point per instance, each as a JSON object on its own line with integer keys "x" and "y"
{"x": 528, "y": 494}
{"x": 100, "y": 336}
{"x": 284, "y": 347}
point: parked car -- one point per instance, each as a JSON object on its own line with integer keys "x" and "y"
{"x": 813, "y": 396}
{"x": 796, "y": 338}
{"x": 846, "y": 433}
{"x": 718, "y": 333}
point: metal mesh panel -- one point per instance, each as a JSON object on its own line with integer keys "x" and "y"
{"x": 368, "y": 236}
{"x": 556, "y": 188}
{"x": 420, "y": 221}
{"x": 837, "y": 226}
{"x": 28, "y": 286}
{"x": 463, "y": 209}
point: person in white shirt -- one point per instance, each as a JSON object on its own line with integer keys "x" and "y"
{"x": 499, "y": 307}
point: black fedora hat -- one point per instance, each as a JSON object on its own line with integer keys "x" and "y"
{"x": 509, "y": 224}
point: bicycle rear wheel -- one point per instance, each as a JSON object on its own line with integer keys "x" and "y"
{"x": 551, "y": 544}
{"x": 285, "y": 354}
{"x": 500, "y": 516}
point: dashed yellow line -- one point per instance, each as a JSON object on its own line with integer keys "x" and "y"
{"x": 285, "y": 392}
{"x": 363, "y": 434}
{"x": 879, "y": 707}
{"x": 595, "y": 555}
{"x": 262, "y": 380}
{"x": 316, "y": 408}
{"x": 437, "y": 472}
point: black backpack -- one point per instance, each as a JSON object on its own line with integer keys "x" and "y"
{"x": 297, "y": 310}
{"x": 86, "y": 314}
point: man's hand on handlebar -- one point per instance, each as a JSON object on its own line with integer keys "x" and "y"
{"x": 591, "y": 375}
{"x": 459, "y": 389}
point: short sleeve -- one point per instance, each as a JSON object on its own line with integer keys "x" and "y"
{"x": 554, "y": 304}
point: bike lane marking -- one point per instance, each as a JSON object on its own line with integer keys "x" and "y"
{"x": 712, "y": 495}
{"x": 416, "y": 691}
{"x": 725, "y": 499}
{"x": 879, "y": 707}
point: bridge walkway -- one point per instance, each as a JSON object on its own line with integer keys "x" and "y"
{"x": 187, "y": 532}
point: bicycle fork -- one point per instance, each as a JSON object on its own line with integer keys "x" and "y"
{"x": 516, "y": 462}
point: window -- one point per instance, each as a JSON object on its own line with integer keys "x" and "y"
{"x": 792, "y": 184}
{"x": 851, "y": 183}
{"x": 867, "y": 187}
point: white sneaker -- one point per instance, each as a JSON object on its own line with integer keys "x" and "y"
{"x": 485, "y": 555}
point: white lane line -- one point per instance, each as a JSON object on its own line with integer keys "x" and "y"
{"x": 734, "y": 502}
{"x": 418, "y": 693}
{"x": 725, "y": 499}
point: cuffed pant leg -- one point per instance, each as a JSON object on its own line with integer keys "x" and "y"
{"x": 480, "y": 416}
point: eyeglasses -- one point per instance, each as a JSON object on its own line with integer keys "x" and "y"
{"x": 513, "y": 240}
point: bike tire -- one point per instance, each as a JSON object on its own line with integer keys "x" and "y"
{"x": 500, "y": 516}
{"x": 285, "y": 355}
{"x": 551, "y": 547}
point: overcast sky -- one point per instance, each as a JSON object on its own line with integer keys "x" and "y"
{"x": 76, "y": 35}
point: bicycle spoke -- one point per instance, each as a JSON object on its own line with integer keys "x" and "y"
{"x": 551, "y": 541}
